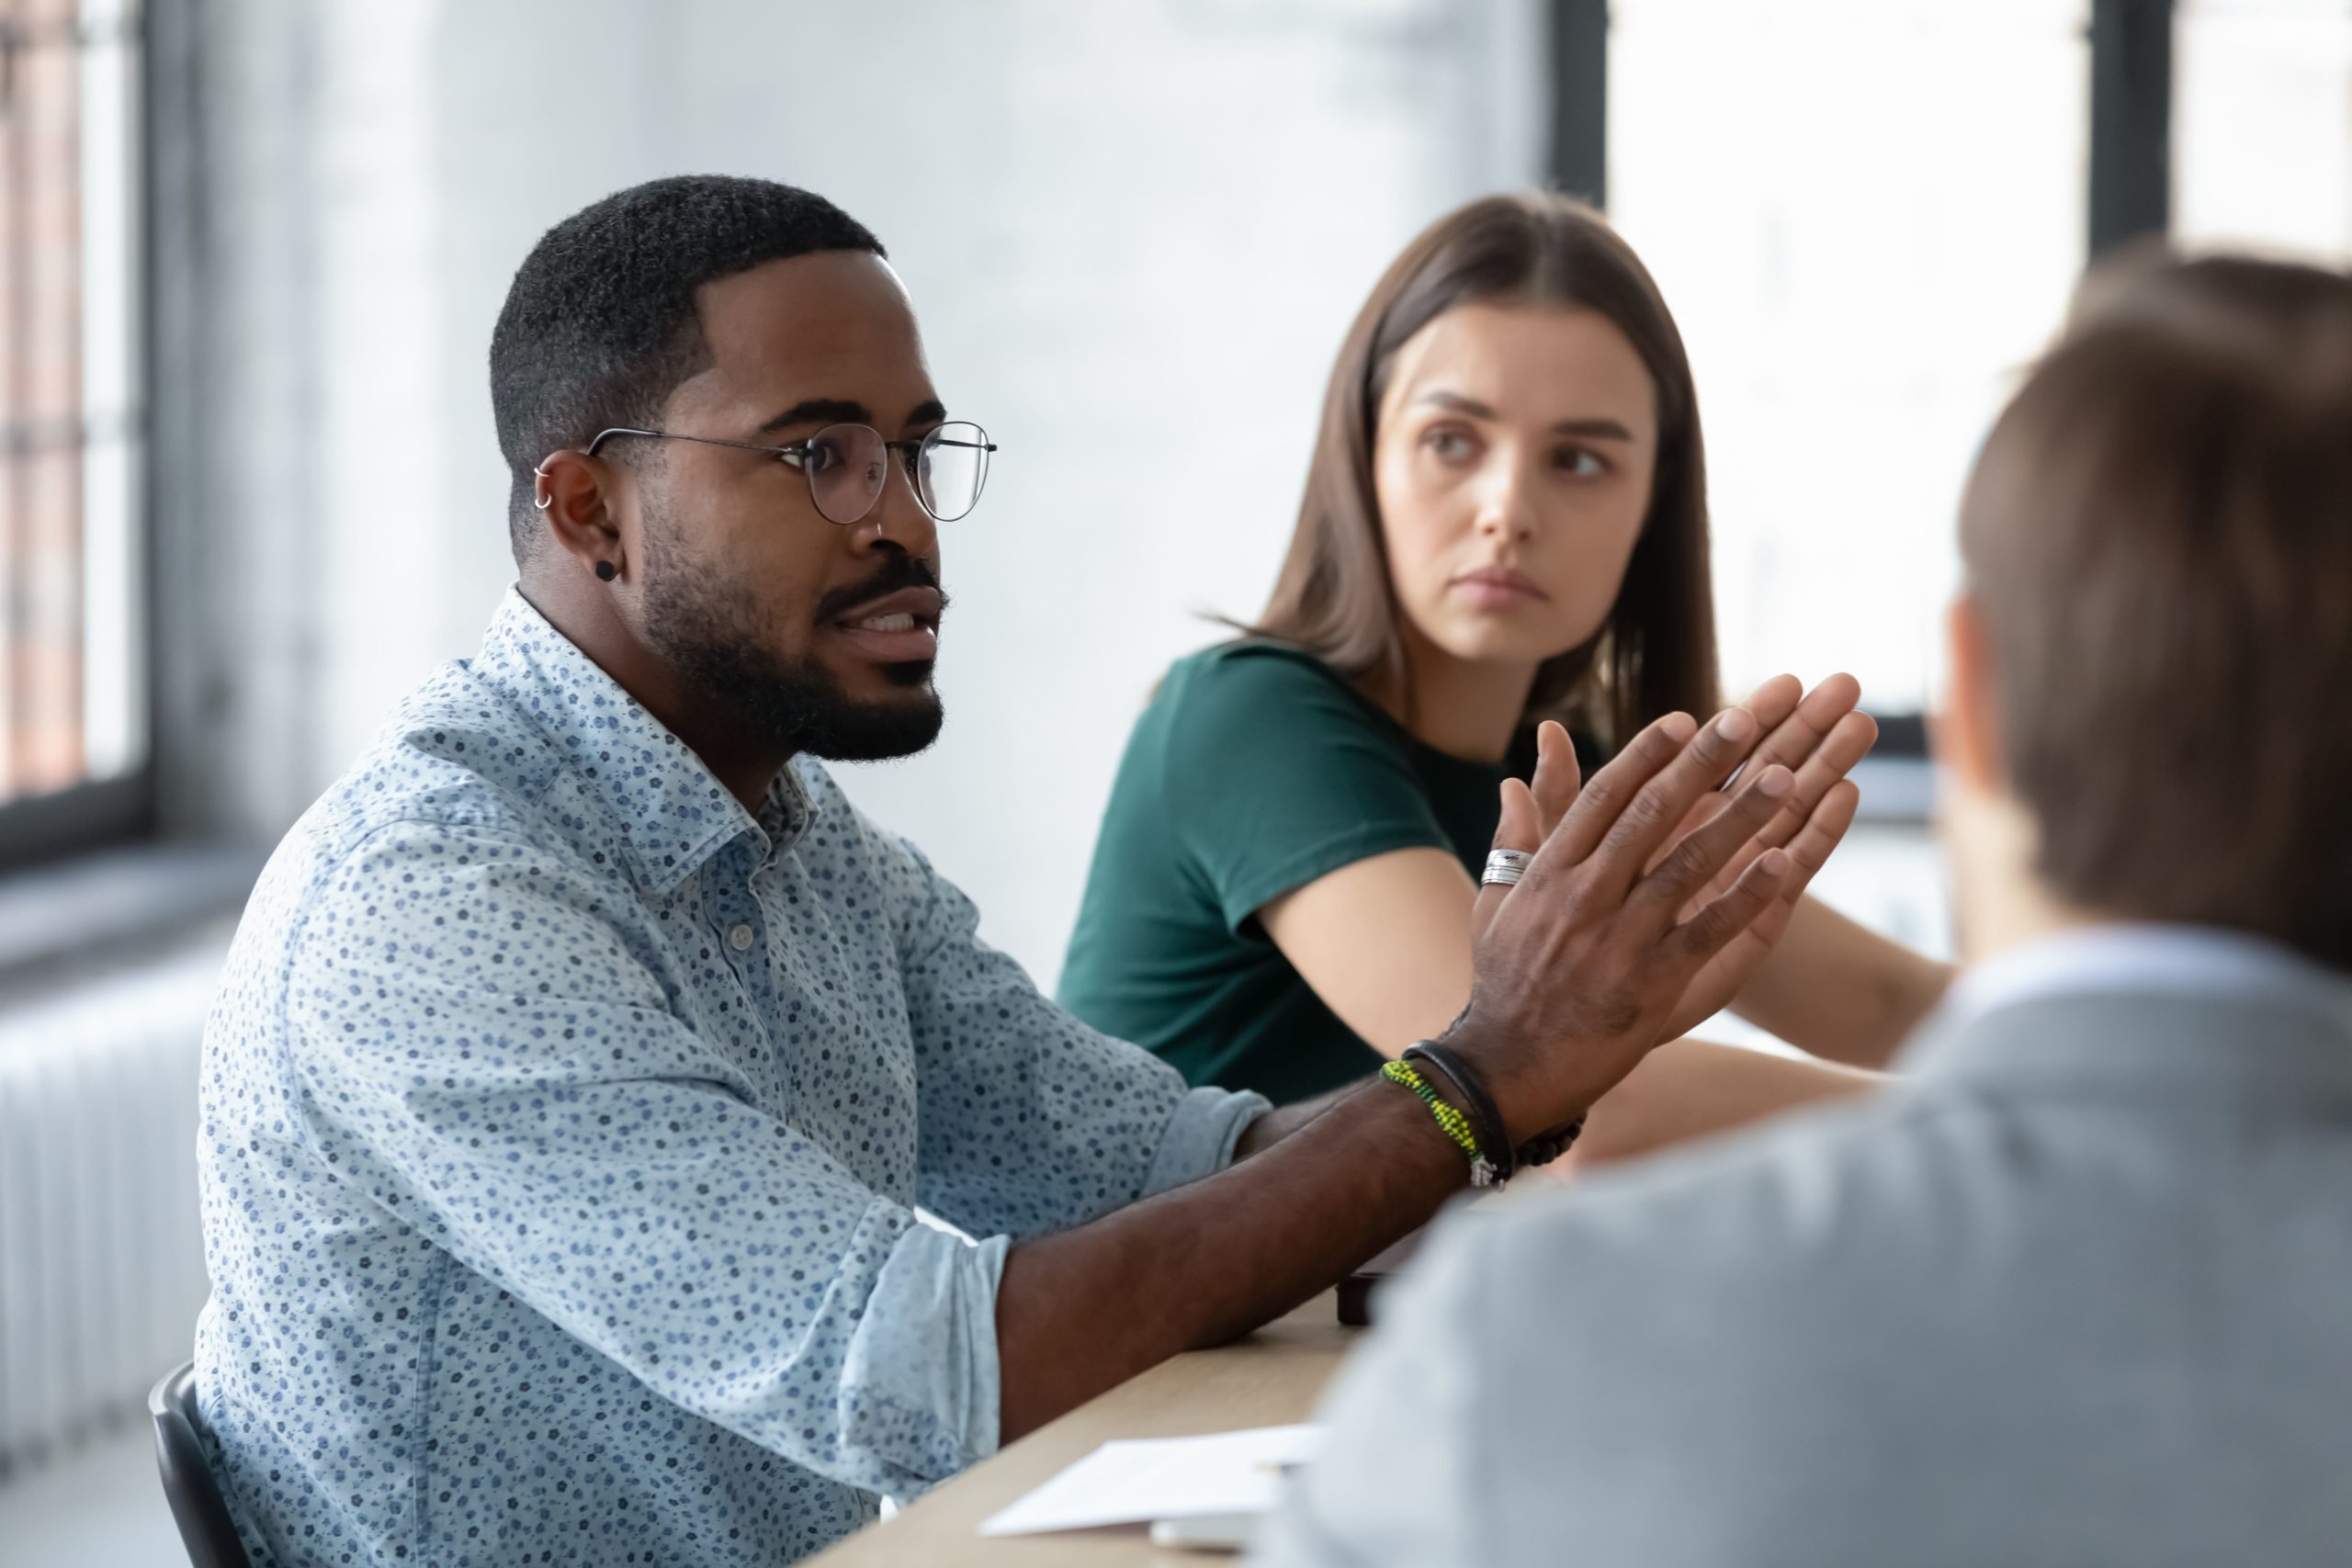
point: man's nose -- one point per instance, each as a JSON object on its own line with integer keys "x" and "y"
{"x": 898, "y": 518}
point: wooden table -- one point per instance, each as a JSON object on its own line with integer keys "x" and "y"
{"x": 1268, "y": 1379}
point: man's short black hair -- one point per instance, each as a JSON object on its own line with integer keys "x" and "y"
{"x": 600, "y": 325}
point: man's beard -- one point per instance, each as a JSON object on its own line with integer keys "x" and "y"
{"x": 713, "y": 634}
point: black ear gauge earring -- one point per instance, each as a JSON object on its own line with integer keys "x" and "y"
{"x": 606, "y": 571}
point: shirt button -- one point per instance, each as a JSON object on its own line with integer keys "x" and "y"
{"x": 740, "y": 938}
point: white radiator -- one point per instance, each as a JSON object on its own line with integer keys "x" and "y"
{"x": 101, "y": 1251}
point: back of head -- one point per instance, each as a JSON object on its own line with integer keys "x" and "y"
{"x": 600, "y": 324}
{"x": 2158, "y": 542}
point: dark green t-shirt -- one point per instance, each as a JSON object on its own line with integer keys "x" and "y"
{"x": 1256, "y": 770}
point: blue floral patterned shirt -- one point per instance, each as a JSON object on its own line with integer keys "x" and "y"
{"x": 563, "y": 1126}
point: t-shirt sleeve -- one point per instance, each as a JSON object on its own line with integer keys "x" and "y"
{"x": 1275, "y": 774}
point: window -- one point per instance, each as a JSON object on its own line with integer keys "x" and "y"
{"x": 1867, "y": 216}
{"x": 2262, "y": 126}
{"x": 73, "y": 687}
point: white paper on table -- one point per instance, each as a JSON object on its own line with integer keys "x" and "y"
{"x": 1136, "y": 1481}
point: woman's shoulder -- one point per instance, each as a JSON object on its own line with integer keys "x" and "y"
{"x": 1255, "y": 672}
{"x": 1269, "y": 711}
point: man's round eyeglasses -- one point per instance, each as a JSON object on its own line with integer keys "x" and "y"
{"x": 847, "y": 465}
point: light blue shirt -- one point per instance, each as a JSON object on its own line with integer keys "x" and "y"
{"x": 563, "y": 1126}
{"x": 2140, "y": 958}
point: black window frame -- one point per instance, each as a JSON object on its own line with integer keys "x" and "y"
{"x": 100, "y": 814}
{"x": 2128, "y": 195}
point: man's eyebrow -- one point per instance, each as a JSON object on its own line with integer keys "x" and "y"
{"x": 819, "y": 410}
{"x": 930, "y": 410}
{"x": 1600, "y": 428}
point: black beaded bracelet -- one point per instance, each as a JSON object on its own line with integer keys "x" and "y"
{"x": 1545, "y": 1147}
{"x": 1485, "y": 1121}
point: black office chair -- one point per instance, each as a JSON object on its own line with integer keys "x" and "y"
{"x": 188, "y": 1482}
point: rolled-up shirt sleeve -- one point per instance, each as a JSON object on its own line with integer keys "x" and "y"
{"x": 1032, "y": 1121}
{"x": 533, "y": 1107}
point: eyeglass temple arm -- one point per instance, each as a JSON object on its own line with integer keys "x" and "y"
{"x": 603, "y": 435}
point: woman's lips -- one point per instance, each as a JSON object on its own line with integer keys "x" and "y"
{"x": 1498, "y": 588}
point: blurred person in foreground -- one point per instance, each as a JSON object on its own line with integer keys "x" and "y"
{"x": 584, "y": 1054}
{"x": 2071, "y": 1289}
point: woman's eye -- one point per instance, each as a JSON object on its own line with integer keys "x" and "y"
{"x": 1578, "y": 463}
{"x": 1451, "y": 446}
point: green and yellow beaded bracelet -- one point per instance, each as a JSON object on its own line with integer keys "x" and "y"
{"x": 1456, "y": 1125}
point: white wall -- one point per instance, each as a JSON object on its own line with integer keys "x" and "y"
{"x": 1135, "y": 234}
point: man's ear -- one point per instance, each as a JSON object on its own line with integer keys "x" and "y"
{"x": 577, "y": 497}
{"x": 1967, "y": 734}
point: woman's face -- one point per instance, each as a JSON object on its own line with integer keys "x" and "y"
{"x": 1512, "y": 465}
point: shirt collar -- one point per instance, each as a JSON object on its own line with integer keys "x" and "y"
{"x": 673, "y": 812}
{"x": 2159, "y": 964}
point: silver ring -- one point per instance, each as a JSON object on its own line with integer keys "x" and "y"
{"x": 1505, "y": 867}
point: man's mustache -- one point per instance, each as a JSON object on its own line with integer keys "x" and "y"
{"x": 898, "y": 571}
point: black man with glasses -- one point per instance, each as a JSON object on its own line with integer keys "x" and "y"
{"x": 584, "y": 1055}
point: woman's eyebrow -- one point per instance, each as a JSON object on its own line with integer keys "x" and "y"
{"x": 1455, "y": 401}
{"x": 1602, "y": 429}
{"x": 1599, "y": 427}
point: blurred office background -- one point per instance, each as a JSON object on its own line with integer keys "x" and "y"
{"x": 250, "y": 251}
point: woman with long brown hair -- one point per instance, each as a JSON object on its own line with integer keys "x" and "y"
{"x": 1505, "y": 523}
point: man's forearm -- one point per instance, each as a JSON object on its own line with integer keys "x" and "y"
{"x": 1084, "y": 1310}
{"x": 1283, "y": 1120}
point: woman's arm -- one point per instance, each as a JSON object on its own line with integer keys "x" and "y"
{"x": 1688, "y": 1089}
{"x": 1839, "y": 989}
{"x": 1387, "y": 944}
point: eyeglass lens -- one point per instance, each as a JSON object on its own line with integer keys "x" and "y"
{"x": 847, "y": 465}
{"x": 950, "y": 469}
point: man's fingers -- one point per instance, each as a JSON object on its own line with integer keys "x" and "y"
{"x": 1710, "y": 931}
{"x": 1521, "y": 826}
{"x": 1600, "y": 801}
{"x": 1706, "y": 851}
{"x": 1822, "y": 830}
{"x": 1775, "y": 704}
{"x": 1662, "y": 803}
{"x": 1516, "y": 829}
{"x": 1851, "y": 739}
{"x": 1556, "y": 775}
